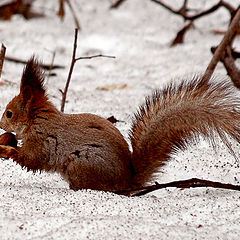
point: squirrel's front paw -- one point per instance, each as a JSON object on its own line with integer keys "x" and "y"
{"x": 7, "y": 151}
{"x": 8, "y": 139}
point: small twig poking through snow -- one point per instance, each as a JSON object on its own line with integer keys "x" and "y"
{"x": 2, "y": 56}
{"x": 180, "y": 35}
{"x": 117, "y": 3}
{"x": 74, "y": 59}
{"x": 226, "y": 41}
{"x": 189, "y": 183}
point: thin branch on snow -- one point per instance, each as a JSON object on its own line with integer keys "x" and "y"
{"x": 189, "y": 183}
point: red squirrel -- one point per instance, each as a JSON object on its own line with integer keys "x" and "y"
{"x": 90, "y": 152}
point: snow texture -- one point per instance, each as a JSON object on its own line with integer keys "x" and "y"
{"x": 41, "y": 206}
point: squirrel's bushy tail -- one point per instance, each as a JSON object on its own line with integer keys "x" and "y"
{"x": 178, "y": 114}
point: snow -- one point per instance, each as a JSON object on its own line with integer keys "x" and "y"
{"x": 41, "y": 206}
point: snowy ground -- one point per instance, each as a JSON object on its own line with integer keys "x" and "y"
{"x": 41, "y": 206}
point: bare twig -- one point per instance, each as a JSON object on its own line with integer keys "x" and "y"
{"x": 229, "y": 63}
{"x": 74, "y": 60}
{"x": 94, "y": 56}
{"x": 64, "y": 93}
{"x": 232, "y": 70}
{"x": 44, "y": 66}
{"x": 227, "y": 39}
{"x": 189, "y": 183}
{"x": 2, "y": 56}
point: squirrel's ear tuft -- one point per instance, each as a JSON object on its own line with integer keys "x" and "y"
{"x": 33, "y": 78}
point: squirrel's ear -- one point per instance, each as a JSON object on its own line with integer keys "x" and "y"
{"x": 27, "y": 94}
{"x": 32, "y": 83}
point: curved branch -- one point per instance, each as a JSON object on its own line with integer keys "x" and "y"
{"x": 189, "y": 183}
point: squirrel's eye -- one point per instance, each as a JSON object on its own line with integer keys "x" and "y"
{"x": 9, "y": 114}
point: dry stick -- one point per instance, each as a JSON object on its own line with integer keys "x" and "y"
{"x": 74, "y": 59}
{"x": 232, "y": 69}
{"x": 64, "y": 93}
{"x": 2, "y": 56}
{"x": 227, "y": 39}
{"x": 189, "y": 183}
{"x": 94, "y": 56}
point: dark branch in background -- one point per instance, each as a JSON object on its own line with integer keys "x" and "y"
{"x": 184, "y": 12}
{"x": 44, "y": 66}
{"x": 74, "y": 60}
{"x": 224, "y": 51}
{"x": 117, "y": 3}
{"x": 2, "y": 56}
{"x": 22, "y": 7}
{"x": 226, "y": 42}
{"x": 189, "y": 183}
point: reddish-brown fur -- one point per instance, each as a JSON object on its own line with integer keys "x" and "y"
{"x": 8, "y": 139}
{"x": 89, "y": 152}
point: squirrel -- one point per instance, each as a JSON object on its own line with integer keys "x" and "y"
{"x": 90, "y": 152}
